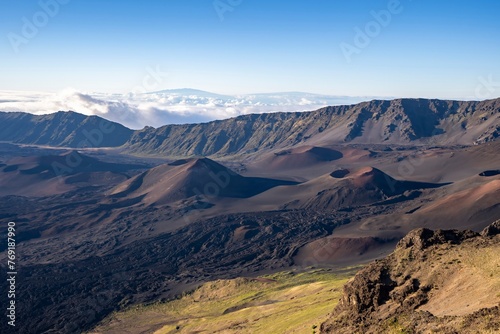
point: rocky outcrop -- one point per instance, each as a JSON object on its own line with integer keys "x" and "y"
{"x": 397, "y": 292}
{"x": 422, "y": 238}
{"x": 491, "y": 230}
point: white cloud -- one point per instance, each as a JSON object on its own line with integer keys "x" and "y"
{"x": 165, "y": 107}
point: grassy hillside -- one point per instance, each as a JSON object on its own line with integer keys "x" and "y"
{"x": 285, "y": 302}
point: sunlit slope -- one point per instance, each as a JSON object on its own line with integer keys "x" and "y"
{"x": 278, "y": 303}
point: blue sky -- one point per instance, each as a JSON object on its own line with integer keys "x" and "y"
{"x": 426, "y": 49}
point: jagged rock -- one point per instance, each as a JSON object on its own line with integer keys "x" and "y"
{"x": 394, "y": 292}
{"x": 492, "y": 229}
{"x": 423, "y": 238}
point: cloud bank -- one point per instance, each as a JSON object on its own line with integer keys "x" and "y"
{"x": 165, "y": 107}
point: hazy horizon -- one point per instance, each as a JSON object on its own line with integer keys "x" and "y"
{"x": 176, "y": 106}
{"x": 117, "y": 60}
{"x": 399, "y": 48}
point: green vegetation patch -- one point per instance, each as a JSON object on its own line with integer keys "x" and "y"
{"x": 284, "y": 302}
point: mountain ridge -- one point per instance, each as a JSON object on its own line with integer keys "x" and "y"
{"x": 61, "y": 129}
{"x": 388, "y": 122}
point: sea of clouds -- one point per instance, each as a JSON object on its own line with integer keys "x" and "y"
{"x": 175, "y": 106}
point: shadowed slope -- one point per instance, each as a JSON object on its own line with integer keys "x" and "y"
{"x": 55, "y": 174}
{"x": 192, "y": 177}
{"x": 342, "y": 189}
{"x": 304, "y": 156}
{"x": 473, "y": 207}
{"x": 66, "y": 129}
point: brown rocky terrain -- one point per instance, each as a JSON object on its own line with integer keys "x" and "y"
{"x": 186, "y": 178}
{"x": 315, "y": 189}
{"x": 444, "y": 281}
{"x": 51, "y": 174}
{"x": 343, "y": 189}
{"x": 300, "y": 157}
